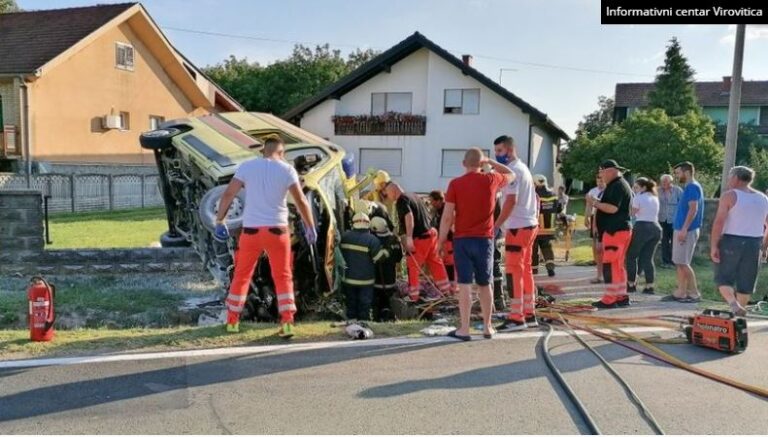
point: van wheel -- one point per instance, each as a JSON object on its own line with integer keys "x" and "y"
{"x": 158, "y": 139}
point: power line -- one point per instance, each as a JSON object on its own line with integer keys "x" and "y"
{"x": 494, "y": 58}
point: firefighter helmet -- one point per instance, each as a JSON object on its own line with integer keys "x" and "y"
{"x": 363, "y": 206}
{"x": 379, "y": 226}
{"x": 361, "y": 221}
{"x": 540, "y": 179}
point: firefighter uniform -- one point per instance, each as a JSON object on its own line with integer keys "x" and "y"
{"x": 425, "y": 246}
{"x": 616, "y": 233}
{"x": 548, "y": 210}
{"x": 498, "y": 245}
{"x": 385, "y": 286}
{"x": 361, "y": 251}
{"x": 447, "y": 248}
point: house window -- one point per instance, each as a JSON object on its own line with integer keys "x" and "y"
{"x": 764, "y": 116}
{"x": 155, "y": 121}
{"x": 452, "y": 164}
{"x": 125, "y": 121}
{"x": 462, "y": 101}
{"x": 389, "y": 160}
{"x": 124, "y": 56}
{"x": 381, "y": 103}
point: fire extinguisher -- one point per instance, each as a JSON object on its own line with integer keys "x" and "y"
{"x": 41, "y": 313}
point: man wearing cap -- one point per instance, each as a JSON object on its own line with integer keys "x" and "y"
{"x": 549, "y": 207}
{"x": 615, "y": 229}
{"x": 361, "y": 251}
{"x": 419, "y": 240}
{"x": 519, "y": 218}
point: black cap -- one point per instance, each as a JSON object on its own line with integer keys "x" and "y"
{"x": 610, "y": 163}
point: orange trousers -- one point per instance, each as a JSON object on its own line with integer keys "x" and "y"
{"x": 426, "y": 254}
{"x": 519, "y": 246}
{"x": 614, "y": 265}
{"x": 276, "y": 241}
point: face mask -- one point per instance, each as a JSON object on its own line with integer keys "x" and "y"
{"x": 502, "y": 159}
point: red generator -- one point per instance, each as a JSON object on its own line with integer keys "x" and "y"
{"x": 41, "y": 314}
{"x": 720, "y": 330}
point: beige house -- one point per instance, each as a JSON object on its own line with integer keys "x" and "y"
{"x": 78, "y": 85}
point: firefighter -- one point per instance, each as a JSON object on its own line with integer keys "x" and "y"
{"x": 499, "y": 301}
{"x": 265, "y": 228}
{"x": 549, "y": 208}
{"x": 437, "y": 202}
{"x": 420, "y": 240}
{"x": 386, "y": 270}
{"x": 361, "y": 251}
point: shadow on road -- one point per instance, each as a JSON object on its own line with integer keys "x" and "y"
{"x": 81, "y": 394}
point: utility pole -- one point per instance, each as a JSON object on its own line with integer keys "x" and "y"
{"x": 732, "y": 130}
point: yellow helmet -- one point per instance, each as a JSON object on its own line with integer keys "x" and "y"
{"x": 379, "y": 226}
{"x": 380, "y": 178}
{"x": 363, "y": 206}
{"x": 361, "y": 221}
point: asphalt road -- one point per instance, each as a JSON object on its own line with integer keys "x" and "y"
{"x": 480, "y": 387}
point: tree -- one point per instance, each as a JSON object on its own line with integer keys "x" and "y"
{"x": 649, "y": 143}
{"x": 8, "y": 6}
{"x": 578, "y": 161}
{"x": 758, "y": 160}
{"x": 674, "y": 91}
{"x": 748, "y": 139}
{"x": 284, "y": 84}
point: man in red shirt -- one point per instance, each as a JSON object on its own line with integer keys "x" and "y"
{"x": 469, "y": 205}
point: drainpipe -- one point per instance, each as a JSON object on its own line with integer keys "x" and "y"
{"x": 25, "y": 129}
{"x": 530, "y": 144}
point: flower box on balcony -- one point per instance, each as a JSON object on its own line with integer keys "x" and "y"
{"x": 391, "y": 123}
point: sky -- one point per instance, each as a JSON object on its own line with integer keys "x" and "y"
{"x": 554, "y": 54}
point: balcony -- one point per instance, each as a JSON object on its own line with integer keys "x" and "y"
{"x": 391, "y": 123}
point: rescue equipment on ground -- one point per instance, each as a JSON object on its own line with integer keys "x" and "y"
{"x": 719, "y": 330}
{"x": 41, "y": 313}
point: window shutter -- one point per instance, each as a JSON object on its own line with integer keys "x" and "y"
{"x": 378, "y": 103}
{"x": 389, "y": 160}
{"x": 452, "y": 98}
{"x": 471, "y": 102}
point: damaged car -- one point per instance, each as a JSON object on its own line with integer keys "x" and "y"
{"x": 197, "y": 157}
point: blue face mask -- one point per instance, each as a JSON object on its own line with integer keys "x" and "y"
{"x": 502, "y": 159}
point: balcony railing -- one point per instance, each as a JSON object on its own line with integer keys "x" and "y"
{"x": 387, "y": 124}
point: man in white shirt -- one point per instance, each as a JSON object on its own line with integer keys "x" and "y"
{"x": 519, "y": 218}
{"x": 267, "y": 183}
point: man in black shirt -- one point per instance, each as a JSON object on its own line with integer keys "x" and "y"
{"x": 420, "y": 240}
{"x": 615, "y": 229}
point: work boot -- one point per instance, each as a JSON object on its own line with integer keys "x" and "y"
{"x": 623, "y": 301}
{"x": 286, "y": 330}
{"x": 233, "y": 328}
{"x": 511, "y": 325}
{"x": 604, "y": 306}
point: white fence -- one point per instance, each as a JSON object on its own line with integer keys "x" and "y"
{"x": 90, "y": 192}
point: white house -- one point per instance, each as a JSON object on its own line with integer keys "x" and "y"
{"x": 415, "y": 109}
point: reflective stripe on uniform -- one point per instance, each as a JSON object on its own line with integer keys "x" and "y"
{"x": 236, "y": 297}
{"x": 382, "y": 253}
{"x": 286, "y": 307}
{"x": 235, "y": 308}
{"x": 358, "y": 281}
{"x": 354, "y": 247}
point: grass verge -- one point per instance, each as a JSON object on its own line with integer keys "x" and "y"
{"x": 15, "y": 344}
{"x": 107, "y": 229}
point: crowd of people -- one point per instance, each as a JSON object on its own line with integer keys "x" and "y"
{"x": 499, "y": 204}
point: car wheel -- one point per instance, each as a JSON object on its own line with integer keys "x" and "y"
{"x": 158, "y": 139}
{"x": 169, "y": 240}
{"x": 209, "y": 207}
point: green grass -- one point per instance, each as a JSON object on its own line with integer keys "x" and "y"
{"x": 15, "y": 343}
{"x": 107, "y": 229}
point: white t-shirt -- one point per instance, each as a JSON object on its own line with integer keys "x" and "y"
{"x": 595, "y": 193}
{"x": 648, "y": 207}
{"x": 266, "y": 187}
{"x": 526, "y": 210}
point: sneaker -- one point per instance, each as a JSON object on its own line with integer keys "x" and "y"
{"x": 286, "y": 330}
{"x": 531, "y": 321}
{"x": 631, "y": 288}
{"x": 623, "y": 302}
{"x": 233, "y": 328}
{"x": 604, "y": 306}
{"x": 510, "y": 325}
{"x": 649, "y": 290}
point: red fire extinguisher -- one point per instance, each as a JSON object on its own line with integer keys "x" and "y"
{"x": 41, "y": 314}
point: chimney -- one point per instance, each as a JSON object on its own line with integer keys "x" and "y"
{"x": 467, "y": 60}
{"x": 726, "y": 84}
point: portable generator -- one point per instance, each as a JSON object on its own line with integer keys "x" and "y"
{"x": 720, "y": 330}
